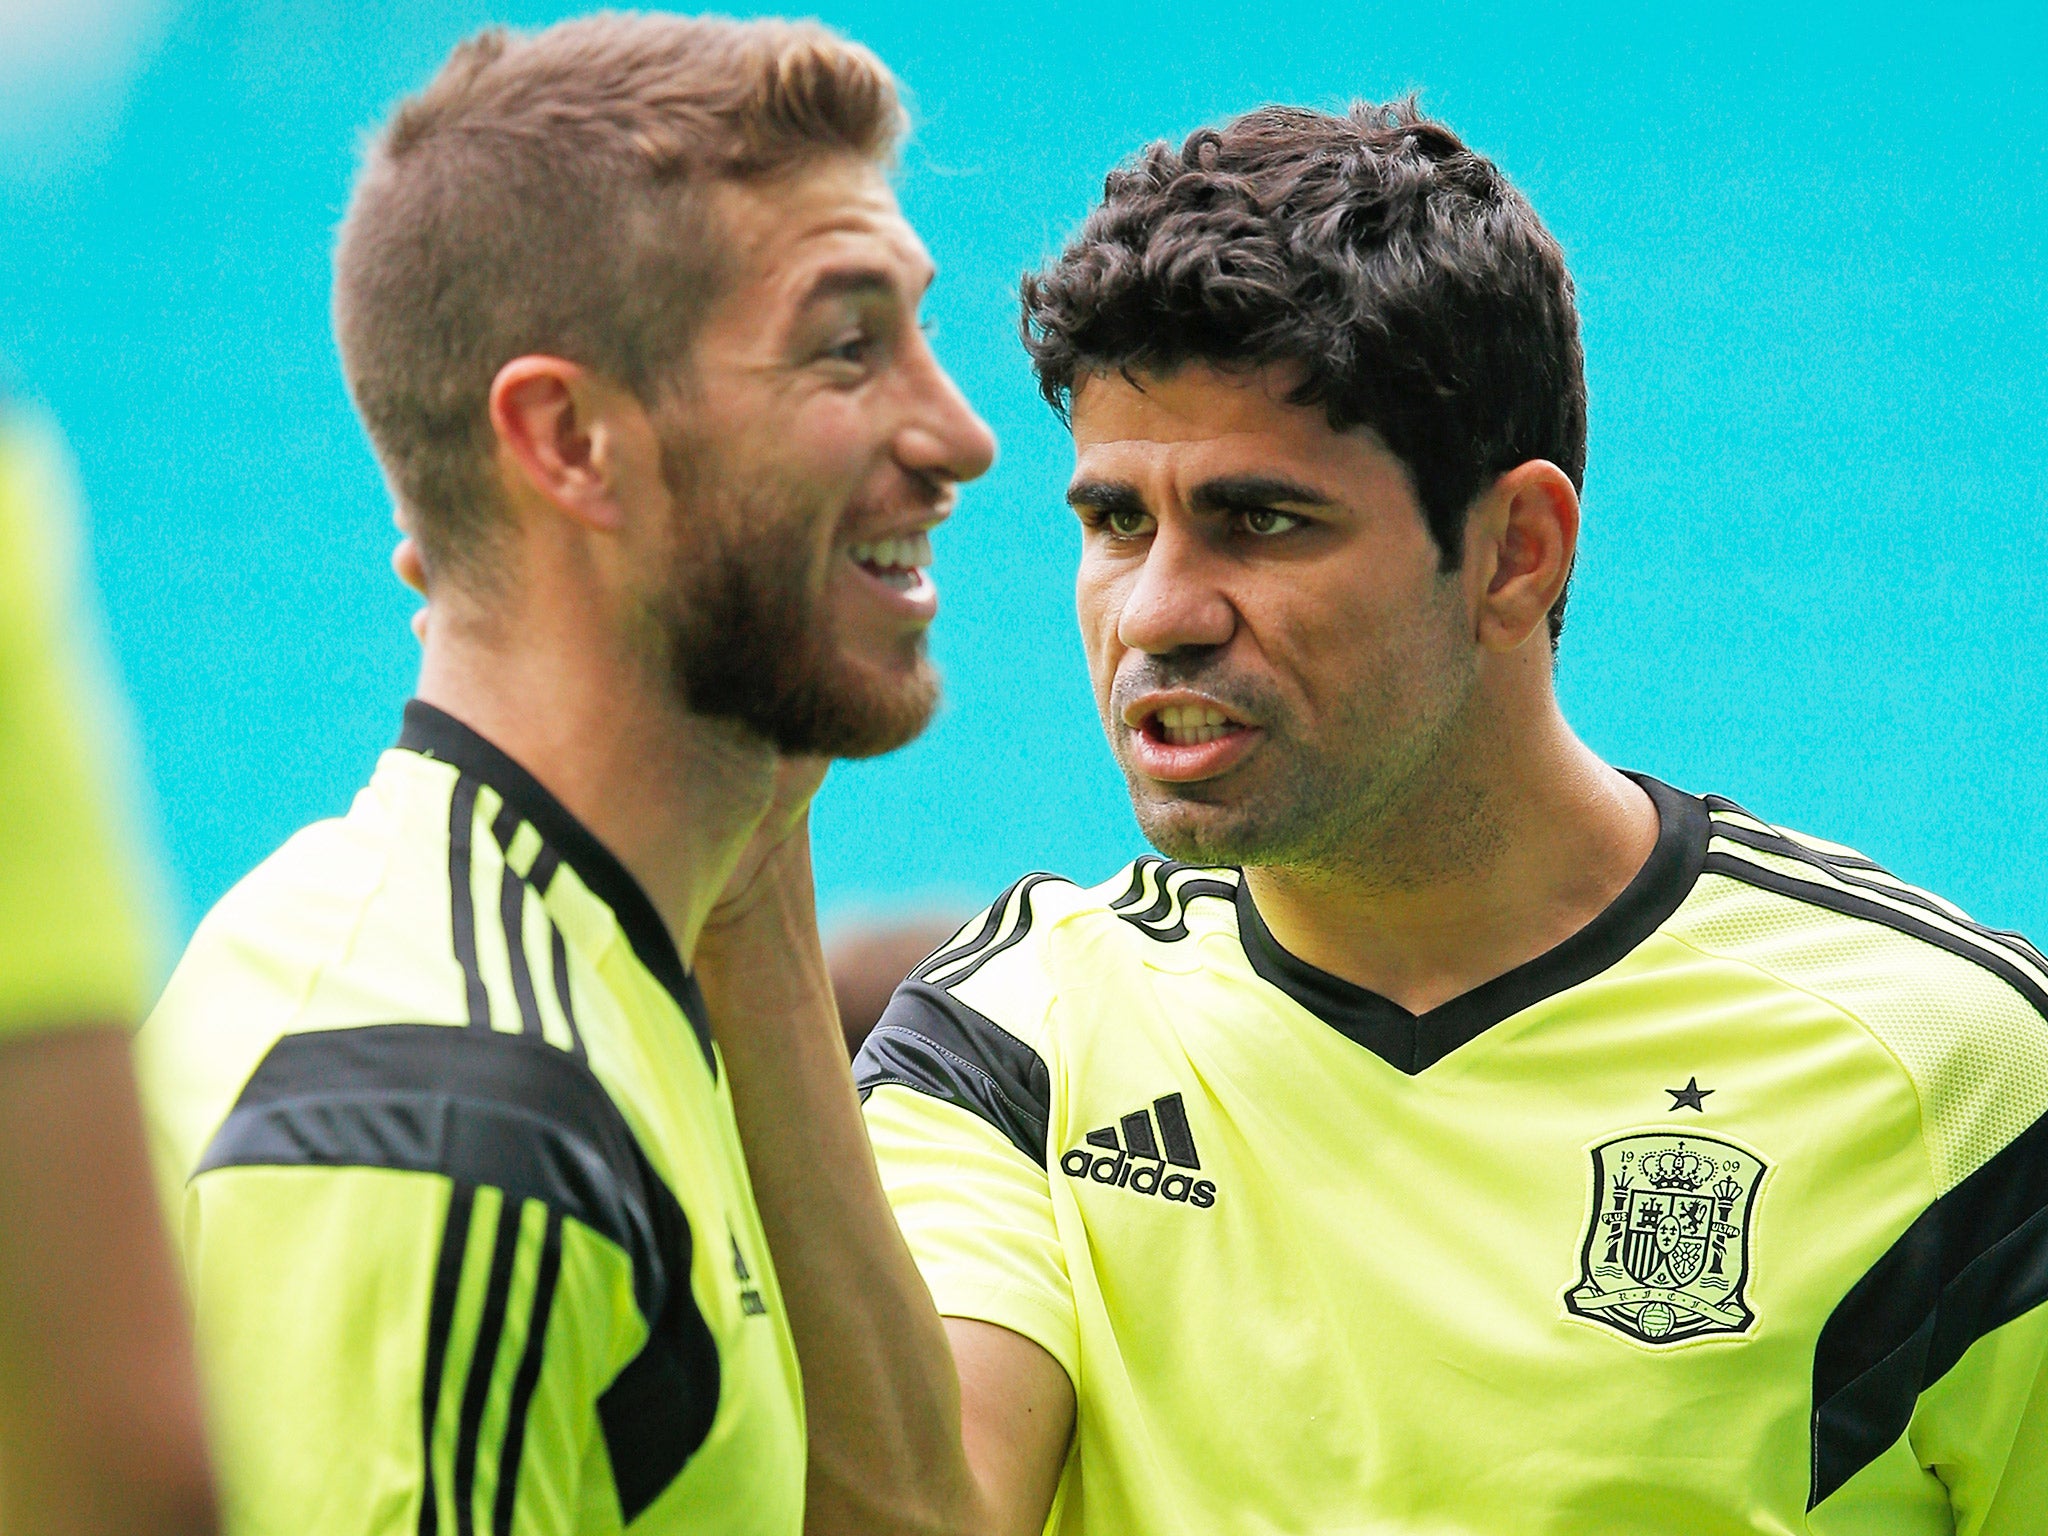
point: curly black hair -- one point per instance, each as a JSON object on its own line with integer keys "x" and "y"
{"x": 1415, "y": 288}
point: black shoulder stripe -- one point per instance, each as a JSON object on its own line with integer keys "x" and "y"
{"x": 512, "y": 917}
{"x": 1018, "y": 929}
{"x": 462, "y": 898}
{"x": 1975, "y": 1260}
{"x": 1163, "y": 902}
{"x": 1849, "y": 905}
{"x": 1135, "y": 891}
{"x": 508, "y": 1110}
{"x": 512, "y": 913}
{"x": 513, "y": 1450}
{"x": 932, "y": 1042}
{"x": 483, "y": 1360}
{"x": 1175, "y": 905}
{"x": 540, "y": 875}
{"x": 1721, "y": 805}
{"x": 481, "y": 1106}
{"x": 1857, "y": 872}
{"x": 435, "y": 734}
{"x": 558, "y": 961}
{"x": 440, "y": 1321}
{"x": 990, "y": 920}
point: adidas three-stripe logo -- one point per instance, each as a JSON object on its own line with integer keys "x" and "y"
{"x": 1148, "y": 1152}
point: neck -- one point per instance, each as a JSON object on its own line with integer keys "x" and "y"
{"x": 1516, "y": 845}
{"x": 673, "y": 796}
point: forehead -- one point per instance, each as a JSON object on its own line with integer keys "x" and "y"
{"x": 786, "y": 231}
{"x": 1199, "y": 422}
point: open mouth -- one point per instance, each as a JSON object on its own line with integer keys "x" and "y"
{"x": 899, "y": 562}
{"x": 1189, "y": 725}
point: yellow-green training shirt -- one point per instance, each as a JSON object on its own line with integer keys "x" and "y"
{"x": 1729, "y": 1214}
{"x": 464, "y": 1210}
{"x": 72, "y": 945}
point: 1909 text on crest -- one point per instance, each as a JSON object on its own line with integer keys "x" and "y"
{"x": 1665, "y": 1257}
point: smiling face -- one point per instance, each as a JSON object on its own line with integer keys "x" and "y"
{"x": 1279, "y": 659}
{"x": 813, "y": 447}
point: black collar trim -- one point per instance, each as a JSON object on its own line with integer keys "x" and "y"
{"x": 435, "y": 733}
{"x": 1412, "y": 1042}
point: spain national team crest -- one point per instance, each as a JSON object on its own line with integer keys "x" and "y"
{"x": 1666, "y": 1255}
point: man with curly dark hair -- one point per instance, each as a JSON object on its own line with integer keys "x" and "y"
{"x": 1455, "y": 1133}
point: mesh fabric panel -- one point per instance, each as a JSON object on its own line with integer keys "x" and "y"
{"x": 1975, "y": 1048}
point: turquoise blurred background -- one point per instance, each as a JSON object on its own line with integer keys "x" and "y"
{"x": 1812, "y": 251}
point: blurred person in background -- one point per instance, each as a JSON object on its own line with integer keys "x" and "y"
{"x": 868, "y": 960}
{"x": 100, "y": 1424}
{"x": 508, "y": 1117}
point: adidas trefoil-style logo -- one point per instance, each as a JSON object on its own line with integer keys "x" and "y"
{"x": 1162, "y": 1164}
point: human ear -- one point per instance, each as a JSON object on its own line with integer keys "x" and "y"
{"x": 1528, "y": 527}
{"x": 560, "y": 430}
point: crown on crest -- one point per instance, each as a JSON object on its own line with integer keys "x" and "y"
{"x": 1677, "y": 1168}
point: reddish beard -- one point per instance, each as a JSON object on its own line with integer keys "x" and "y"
{"x": 748, "y": 634}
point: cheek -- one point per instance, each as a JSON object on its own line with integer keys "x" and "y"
{"x": 824, "y": 444}
{"x": 1334, "y": 641}
{"x": 1098, "y": 600}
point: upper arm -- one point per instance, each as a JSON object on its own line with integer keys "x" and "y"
{"x": 99, "y": 1408}
{"x": 71, "y": 939}
{"x": 956, "y": 1113}
{"x": 1017, "y": 1419}
{"x": 957, "y": 1109}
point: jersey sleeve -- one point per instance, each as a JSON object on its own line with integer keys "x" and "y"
{"x": 1931, "y": 1374}
{"x": 73, "y": 935}
{"x": 958, "y": 1103}
{"x": 438, "y": 1288}
{"x": 1983, "y": 1430}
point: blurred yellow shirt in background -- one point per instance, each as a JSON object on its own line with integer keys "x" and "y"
{"x": 74, "y": 934}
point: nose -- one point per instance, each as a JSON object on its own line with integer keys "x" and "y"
{"x": 1174, "y": 603}
{"x": 942, "y": 436}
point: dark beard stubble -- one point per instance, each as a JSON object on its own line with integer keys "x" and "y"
{"x": 1337, "y": 803}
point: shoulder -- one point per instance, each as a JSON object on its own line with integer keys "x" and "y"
{"x": 970, "y": 1024}
{"x": 1045, "y": 933}
{"x": 306, "y": 939}
{"x": 1962, "y": 1007}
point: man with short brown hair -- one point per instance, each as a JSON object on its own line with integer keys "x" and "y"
{"x": 629, "y": 310}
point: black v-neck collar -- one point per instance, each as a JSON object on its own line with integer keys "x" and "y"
{"x": 1412, "y": 1042}
{"x": 434, "y": 733}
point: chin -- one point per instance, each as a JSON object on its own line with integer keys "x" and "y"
{"x": 860, "y": 711}
{"x": 1192, "y": 833}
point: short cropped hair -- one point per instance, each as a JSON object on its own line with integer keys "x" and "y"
{"x": 548, "y": 193}
{"x": 1416, "y": 290}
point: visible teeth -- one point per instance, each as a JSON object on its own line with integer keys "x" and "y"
{"x": 1186, "y": 725}
{"x": 910, "y": 553}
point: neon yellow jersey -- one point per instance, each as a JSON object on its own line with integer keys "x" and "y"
{"x": 467, "y": 1223}
{"x": 72, "y": 947}
{"x": 1729, "y": 1214}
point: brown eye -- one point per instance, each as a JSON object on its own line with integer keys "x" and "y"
{"x": 1266, "y": 522}
{"x": 854, "y": 349}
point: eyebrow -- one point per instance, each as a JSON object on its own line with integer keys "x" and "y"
{"x": 1246, "y": 493}
{"x": 857, "y": 282}
{"x": 1229, "y": 493}
{"x": 1105, "y": 496}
